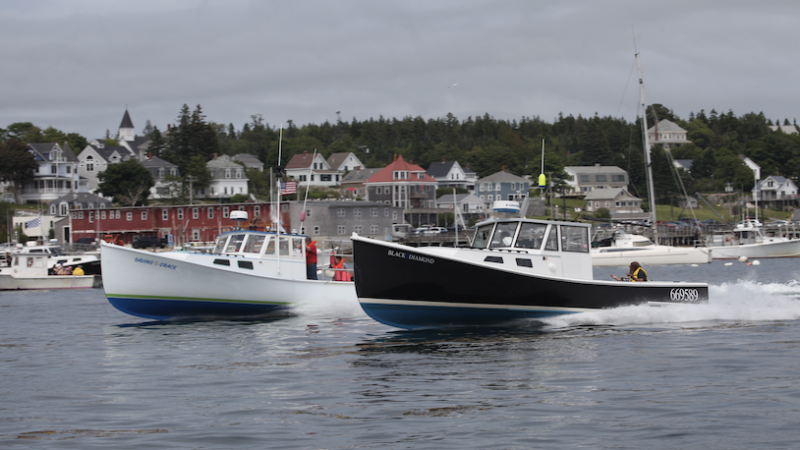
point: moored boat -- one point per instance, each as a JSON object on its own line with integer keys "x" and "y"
{"x": 248, "y": 274}
{"x": 514, "y": 268}
{"x": 626, "y": 247}
{"x": 30, "y": 271}
{"x": 749, "y": 241}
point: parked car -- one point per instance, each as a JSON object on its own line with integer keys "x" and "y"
{"x": 780, "y": 223}
{"x": 85, "y": 240}
{"x": 150, "y": 241}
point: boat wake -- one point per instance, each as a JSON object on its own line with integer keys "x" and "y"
{"x": 736, "y": 301}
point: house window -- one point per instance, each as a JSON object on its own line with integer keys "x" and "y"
{"x": 585, "y": 179}
{"x": 394, "y": 215}
{"x": 385, "y": 212}
{"x": 357, "y": 229}
{"x": 102, "y": 215}
{"x": 341, "y": 229}
{"x": 91, "y": 216}
{"x": 357, "y": 212}
{"x": 180, "y": 213}
{"x": 164, "y": 214}
{"x": 195, "y": 235}
{"x": 257, "y": 211}
{"x": 316, "y": 231}
{"x": 373, "y": 229}
{"x": 491, "y": 198}
{"x": 373, "y": 212}
{"x": 379, "y": 190}
{"x": 52, "y": 210}
{"x": 600, "y": 178}
{"x": 144, "y": 215}
{"x": 596, "y": 204}
{"x": 117, "y": 215}
{"x": 69, "y": 169}
{"x": 618, "y": 178}
{"x": 195, "y": 213}
{"x": 225, "y": 211}
{"x": 339, "y": 212}
{"x": 210, "y": 213}
{"x": 608, "y": 204}
{"x": 301, "y": 178}
{"x": 128, "y": 216}
{"x": 325, "y": 177}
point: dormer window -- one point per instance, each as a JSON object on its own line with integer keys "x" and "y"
{"x": 400, "y": 175}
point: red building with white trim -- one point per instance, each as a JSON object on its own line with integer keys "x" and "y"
{"x": 182, "y": 224}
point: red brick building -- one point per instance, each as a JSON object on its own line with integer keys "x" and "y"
{"x": 182, "y": 224}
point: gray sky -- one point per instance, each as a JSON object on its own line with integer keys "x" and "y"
{"x": 75, "y": 65}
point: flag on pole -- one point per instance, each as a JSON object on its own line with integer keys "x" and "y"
{"x": 288, "y": 187}
{"x": 33, "y": 223}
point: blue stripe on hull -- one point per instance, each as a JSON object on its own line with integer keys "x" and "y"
{"x": 160, "y": 309}
{"x": 412, "y": 317}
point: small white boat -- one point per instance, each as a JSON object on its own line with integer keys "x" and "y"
{"x": 631, "y": 247}
{"x": 29, "y": 271}
{"x": 248, "y": 274}
{"x": 90, "y": 263}
{"x": 751, "y": 242}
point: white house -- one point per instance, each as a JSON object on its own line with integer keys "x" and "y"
{"x": 227, "y": 179}
{"x": 344, "y": 162}
{"x": 776, "y": 191}
{"x": 667, "y": 134}
{"x": 249, "y": 161}
{"x": 466, "y": 203}
{"x": 56, "y": 175}
{"x": 312, "y": 169}
{"x": 584, "y": 179}
{"x": 450, "y": 174}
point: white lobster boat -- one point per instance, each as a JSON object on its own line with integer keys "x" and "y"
{"x": 248, "y": 274}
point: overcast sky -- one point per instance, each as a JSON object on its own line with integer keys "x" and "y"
{"x": 75, "y": 65}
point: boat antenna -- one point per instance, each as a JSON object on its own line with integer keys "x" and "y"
{"x": 279, "y": 177}
{"x": 308, "y": 186}
{"x": 648, "y": 163}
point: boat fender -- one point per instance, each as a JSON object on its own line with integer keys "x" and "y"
{"x": 552, "y": 267}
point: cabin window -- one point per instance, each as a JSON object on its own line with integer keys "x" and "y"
{"x": 246, "y": 265}
{"x": 283, "y": 245}
{"x": 482, "y": 236}
{"x": 270, "y": 247}
{"x": 552, "y": 239}
{"x": 531, "y": 235}
{"x": 234, "y": 243}
{"x": 222, "y": 262}
{"x": 574, "y": 239}
{"x": 253, "y": 243}
{"x": 494, "y": 259}
{"x": 297, "y": 247}
{"x": 504, "y": 234}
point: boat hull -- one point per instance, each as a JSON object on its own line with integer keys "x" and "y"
{"x": 416, "y": 288}
{"x": 189, "y": 286}
{"x": 8, "y": 282}
{"x": 783, "y": 249}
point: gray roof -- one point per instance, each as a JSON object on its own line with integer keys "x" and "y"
{"x": 685, "y": 162}
{"x": 247, "y": 158}
{"x": 155, "y": 161}
{"x": 595, "y": 169}
{"x": 667, "y": 126}
{"x": 440, "y": 169}
{"x": 222, "y": 162}
{"x": 359, "y": 176}
{"x": 602, "y": 194}
{"x": 126, "y": 121}
{"x": 43, "y": 151}
{"x": 448, "y": 198}
{"x": 502, "y": 176}
{"x": 336, "y": 159}
{"x": 81, "y": 197}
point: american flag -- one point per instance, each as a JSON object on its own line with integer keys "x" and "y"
{"x": 288, "y": 187}
{"x": 33, "y": 223}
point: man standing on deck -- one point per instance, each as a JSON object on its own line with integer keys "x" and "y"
{"x": 311, "y": 259}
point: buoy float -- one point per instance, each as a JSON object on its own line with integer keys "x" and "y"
{"x": 743, "y": 259}
{"x": 728, "y": 264}
{"x": 756, "y": 263}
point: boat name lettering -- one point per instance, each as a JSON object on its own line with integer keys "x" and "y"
{"x": 411, "y": 256}
{"x": 684, "y": 295}
{"x": 153, "y": 263}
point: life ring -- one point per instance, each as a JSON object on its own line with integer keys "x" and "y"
{"x": 30, "y": 262}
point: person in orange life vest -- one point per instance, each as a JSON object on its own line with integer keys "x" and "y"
{"x": 637, "y": 273}
{"x": 311, "y": 259}
{"x": 341, "y": 274}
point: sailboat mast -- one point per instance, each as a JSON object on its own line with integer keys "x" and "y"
{"x": 648, "y": 163}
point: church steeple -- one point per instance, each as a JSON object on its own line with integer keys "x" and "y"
{"x": 126, "y": 127}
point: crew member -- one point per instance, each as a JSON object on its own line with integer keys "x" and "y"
{"x": 637, "y": 273}
{"x": 78, "y": 271}
{"x": 311, "y": 259}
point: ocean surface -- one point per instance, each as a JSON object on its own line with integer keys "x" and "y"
{"x": 78, "y": 374}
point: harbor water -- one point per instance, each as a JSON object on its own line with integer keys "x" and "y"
{"x": 78, "y": 374}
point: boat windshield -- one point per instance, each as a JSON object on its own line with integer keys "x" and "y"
{"x": 574, "y": 239}
{"x": 482, "y": 236}
{"x": 531, "y": 235}
{"x": 234, "y": 243}
{"x": 503, "y": 234}
{"x": 253, "y": 243}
